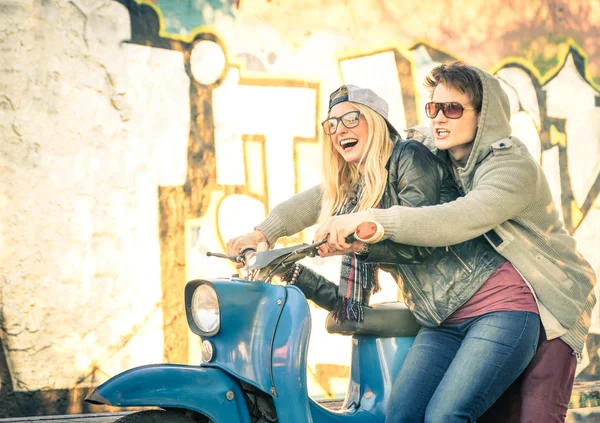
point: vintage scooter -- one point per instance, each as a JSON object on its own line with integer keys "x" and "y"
{"x": 254, "y": 347}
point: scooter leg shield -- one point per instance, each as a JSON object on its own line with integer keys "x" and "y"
{"x": 205, "y": 390}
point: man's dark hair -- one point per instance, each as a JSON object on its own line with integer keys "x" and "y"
{"x": 459, "y": 76}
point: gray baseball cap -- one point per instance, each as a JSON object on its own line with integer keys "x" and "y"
{"x": 366, "y": 97}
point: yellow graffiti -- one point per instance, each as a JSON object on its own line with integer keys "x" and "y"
{"x": 557, "y": 137}
{"x": 564, "y": 49}
{"x": 576, "y": 214}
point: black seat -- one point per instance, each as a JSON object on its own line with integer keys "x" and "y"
{"x": 385, "y": 320}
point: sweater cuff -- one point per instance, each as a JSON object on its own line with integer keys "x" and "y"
{"x": 388, "y": 219}
{"x": 272, "y": 228}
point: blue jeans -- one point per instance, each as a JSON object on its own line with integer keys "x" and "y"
{"x": 454, "y": 372}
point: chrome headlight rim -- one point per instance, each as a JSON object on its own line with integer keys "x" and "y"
{"x": 207, "y": 351}
{"x": 191, "y": 289}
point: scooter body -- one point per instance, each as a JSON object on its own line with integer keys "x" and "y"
{"x": 261, "y": 341}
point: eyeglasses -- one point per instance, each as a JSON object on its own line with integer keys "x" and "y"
{"x": 349, "y": 120}
{"x": 451, "y": 110}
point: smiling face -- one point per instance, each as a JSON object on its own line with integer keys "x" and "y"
{"x": 349, "y": 143}
{"x": 454, "y": 135}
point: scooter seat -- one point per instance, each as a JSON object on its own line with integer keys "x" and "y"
{"x": 392, "y": 319}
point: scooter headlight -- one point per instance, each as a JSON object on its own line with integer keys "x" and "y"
{"x": 205, "y": 309}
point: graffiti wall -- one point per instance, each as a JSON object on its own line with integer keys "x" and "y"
{"x": 136, "y": 135}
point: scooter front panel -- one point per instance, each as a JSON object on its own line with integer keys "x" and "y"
{"x": 289, "y": 359}
{"x": 321, "y": 414}
{"x": 375, "y": 363}
{"x": 249, "y": 315}
{"x": 378, "y": 361}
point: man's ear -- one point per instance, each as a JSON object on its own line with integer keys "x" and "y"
{"x": 478, "y": 117}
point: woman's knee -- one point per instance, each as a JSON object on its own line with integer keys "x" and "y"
{"x": 402, "y": 416}
{"x": 444, "y": 414}
{"x": 398, "y": 412}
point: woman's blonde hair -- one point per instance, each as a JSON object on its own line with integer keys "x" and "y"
{"x": 339, "y": 176}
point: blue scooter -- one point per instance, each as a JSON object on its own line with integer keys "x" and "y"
{"x": 254, "y": 346}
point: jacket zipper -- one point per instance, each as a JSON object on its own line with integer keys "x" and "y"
{"x": 417, "y": 291}
{"x": 465, "y": 265}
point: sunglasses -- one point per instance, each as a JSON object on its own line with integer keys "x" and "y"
{"x": 451, "y": 110}
{"x": 349, "y": 120}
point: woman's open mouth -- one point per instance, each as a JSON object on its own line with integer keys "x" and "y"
{"x": 348, "y": 143}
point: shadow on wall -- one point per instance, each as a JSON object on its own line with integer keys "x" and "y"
{"x": 31, "y": 403}
{"x": 39, "y": 403}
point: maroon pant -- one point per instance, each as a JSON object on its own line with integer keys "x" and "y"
{"x": 542, "y": 392}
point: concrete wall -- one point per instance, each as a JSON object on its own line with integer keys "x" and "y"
{"x": 136, "y": 135}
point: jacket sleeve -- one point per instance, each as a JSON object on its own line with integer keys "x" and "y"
{"x": 502, "y": 188}
{"x": 293, "y": 215}
{"x": 315, "y": 287}
{"x": 419, "y": 180}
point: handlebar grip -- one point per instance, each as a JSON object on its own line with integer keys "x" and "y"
{"x": 366, "y": 230}
{"x": 247, "y": 250}
{"x": 245, "y": 255}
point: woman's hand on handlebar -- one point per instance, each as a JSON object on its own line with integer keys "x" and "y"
{"x": 251, "y": 240}
{"x": 240, "y": 243}
{"x": 336, "y": 229}
{"x": 325, "y": 251}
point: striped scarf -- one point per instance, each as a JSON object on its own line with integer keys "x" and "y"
{"x": 357, "y": 279}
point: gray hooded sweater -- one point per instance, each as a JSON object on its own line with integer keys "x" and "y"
{"x": 507, "y": 198}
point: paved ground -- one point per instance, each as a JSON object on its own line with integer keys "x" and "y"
{"x": 111, "y": 417}
{"x": 75, "y": 418}
{"x": 591, "y": 415}
{"x": 581, "y": 415}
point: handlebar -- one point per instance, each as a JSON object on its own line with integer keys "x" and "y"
{"x": 243, "y": 257}
{"x": 262, "y": 265}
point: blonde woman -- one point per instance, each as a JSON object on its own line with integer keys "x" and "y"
{"x": 366, "y": 168}
{"x": 361, "y": 143}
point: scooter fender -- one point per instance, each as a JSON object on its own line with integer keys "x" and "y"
{"x": 206, "y": 390}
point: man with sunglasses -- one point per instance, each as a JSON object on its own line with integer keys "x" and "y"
{"x": 505, "y": 197}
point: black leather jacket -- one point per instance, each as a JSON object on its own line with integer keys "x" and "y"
{"x": 435, "y": 281}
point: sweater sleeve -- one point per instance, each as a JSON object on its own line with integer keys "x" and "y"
{"x": 502, "y": 188}
{"x": 293, "y": 215}
{"x": 419, "y": 182}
